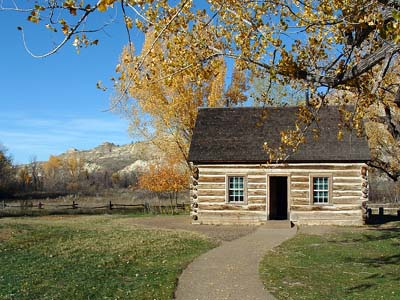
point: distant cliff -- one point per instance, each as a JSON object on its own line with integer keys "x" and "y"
{"x": 113, "y": 158}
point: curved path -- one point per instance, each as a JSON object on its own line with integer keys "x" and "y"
{"x": 230, "y": 271}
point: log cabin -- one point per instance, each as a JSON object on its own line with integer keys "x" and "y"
{"x": 324, "y": 182}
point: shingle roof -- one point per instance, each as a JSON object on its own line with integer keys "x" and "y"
{"x": 232, "y": 135}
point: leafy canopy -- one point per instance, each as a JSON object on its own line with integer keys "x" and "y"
{"x": 327, "y": 47}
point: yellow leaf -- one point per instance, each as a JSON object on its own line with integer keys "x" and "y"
{"x": 102, "y": 6}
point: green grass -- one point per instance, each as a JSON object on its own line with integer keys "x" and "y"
{"x": 364, "y": 264}
{"x": 92, "y": 257}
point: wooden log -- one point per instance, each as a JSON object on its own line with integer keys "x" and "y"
{"x": 299, "y": 179}
{"x": 346, "y": 187}
{"x": 349, "y": 173}
{"x": 256, "y": 192}
{"x": 211, "y": 179}
{"x": 233, "y": 168}
{"x": 346, "y": 200}
{"x": 256, "y": 179}
{"x": 300, "y": 201}
{"x": 256, "y": 199}
{"x": 324, "y": 207}
{"x": 344, "y": 180}
{"x": 326, "y": 215}
{"x": 211, "y": 186}
{"x": 299, "y": 194}
{"x": 341, "y": 193}
{"x": 227, "y": 206}
{"x": 208, "y": 192}
{"x": 232, "y": 213}
{"x": 211, "y": 199}
{"x": 211, "y": 173}
{"x": 256, "y": 185}
{"x": 333, "y": 222}
{"x": 232, "y": 171}
{"x": 299, "y": 186}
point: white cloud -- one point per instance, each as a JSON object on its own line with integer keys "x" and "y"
{"x": 43, "y": 136}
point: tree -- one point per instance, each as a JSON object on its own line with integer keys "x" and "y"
{"x": 374, "y": 108}
{"x": 36, "y": 180}
{"x": 25, "y": 179}
{"x": 164, "y": 109}
{"x": 318, "y": 46}
{"x": 168, "y": 176}
{"x": 7, "y": 172}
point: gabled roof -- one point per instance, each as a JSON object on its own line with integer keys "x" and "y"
{"x": 232, "y": 135}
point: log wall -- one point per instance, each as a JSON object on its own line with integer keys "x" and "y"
{"x": 349, "y": 193}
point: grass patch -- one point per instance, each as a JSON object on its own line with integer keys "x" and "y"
{"x": 92, "y": 257}
{"x": 359, "y": 264}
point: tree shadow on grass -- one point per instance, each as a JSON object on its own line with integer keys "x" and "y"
{"x": 360, "y": 287}
{"x": 380, "y": 268}
{"x": 376, "y": 220}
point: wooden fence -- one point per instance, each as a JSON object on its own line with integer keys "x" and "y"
{"x": 382, "y": 209}
{"x": 109, "y": 206}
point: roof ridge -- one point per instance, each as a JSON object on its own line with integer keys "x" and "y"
{"x": 250, "y": 107}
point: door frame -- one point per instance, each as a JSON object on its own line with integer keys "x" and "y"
{"x": 289, "y": 202}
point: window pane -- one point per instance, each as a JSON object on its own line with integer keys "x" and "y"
{"x": 236, "y": 189}
{"x": 321, "y": 189}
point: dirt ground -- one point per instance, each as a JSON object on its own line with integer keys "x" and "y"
{"x": 215, "y": 232}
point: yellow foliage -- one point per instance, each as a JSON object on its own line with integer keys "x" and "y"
{"x": 164, "y": 177}
{"x": 73, "y": 165}
{"x": 164, "y": 102}
{"x": 52, "y": 165}
{"x": 24, "y": 176}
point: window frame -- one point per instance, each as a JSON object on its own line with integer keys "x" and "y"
{"x": 330, "y": 189}
{"x": 244, "y": 202}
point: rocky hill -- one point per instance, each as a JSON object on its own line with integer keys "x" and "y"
{"x": 115, "y": 158}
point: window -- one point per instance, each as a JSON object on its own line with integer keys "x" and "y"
{"x": 236, "y": 189}
{"x": 320, "y": 190}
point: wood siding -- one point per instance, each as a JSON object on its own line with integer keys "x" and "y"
{"x": 344, "y": 207}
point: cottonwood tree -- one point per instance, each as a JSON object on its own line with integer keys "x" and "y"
{"x": 167, "y": 176}
{"x": 162, "y": 108}
{"x": 24, "y": 178}
{"x": 7, "y": 172}
{"x": 324, "y": 46}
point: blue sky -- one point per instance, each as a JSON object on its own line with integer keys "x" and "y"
{"x": 50, "y": 105}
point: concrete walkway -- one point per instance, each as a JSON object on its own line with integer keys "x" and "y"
{"x": 230, "y": 271}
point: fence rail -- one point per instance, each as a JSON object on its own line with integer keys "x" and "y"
{"x": 144, "y": 207}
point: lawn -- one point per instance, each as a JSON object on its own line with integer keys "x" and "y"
{"x": 344, "y": 264}
{"x": 92, "y": 257}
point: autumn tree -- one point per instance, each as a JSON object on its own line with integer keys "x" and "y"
{"x": 51, "y": 170}
{"x": 24, "y": 178}
{"x": 163, "y": 109}
{"x": 7, "y": 172}
{"x": 34, "y": 173}
{"x": 320, "y": 46}
{"x": 373, "y": 110}
{"x": 168, "y": 176}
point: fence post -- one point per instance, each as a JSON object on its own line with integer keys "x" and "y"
{"x": 369, "y": 213}
{"x": 398, "y": 213}
{"x": 110, "y": 205}
{"x": 40, "y": 205}
{"x": 381, "y": 211}
{"x": 74, "y": 205}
